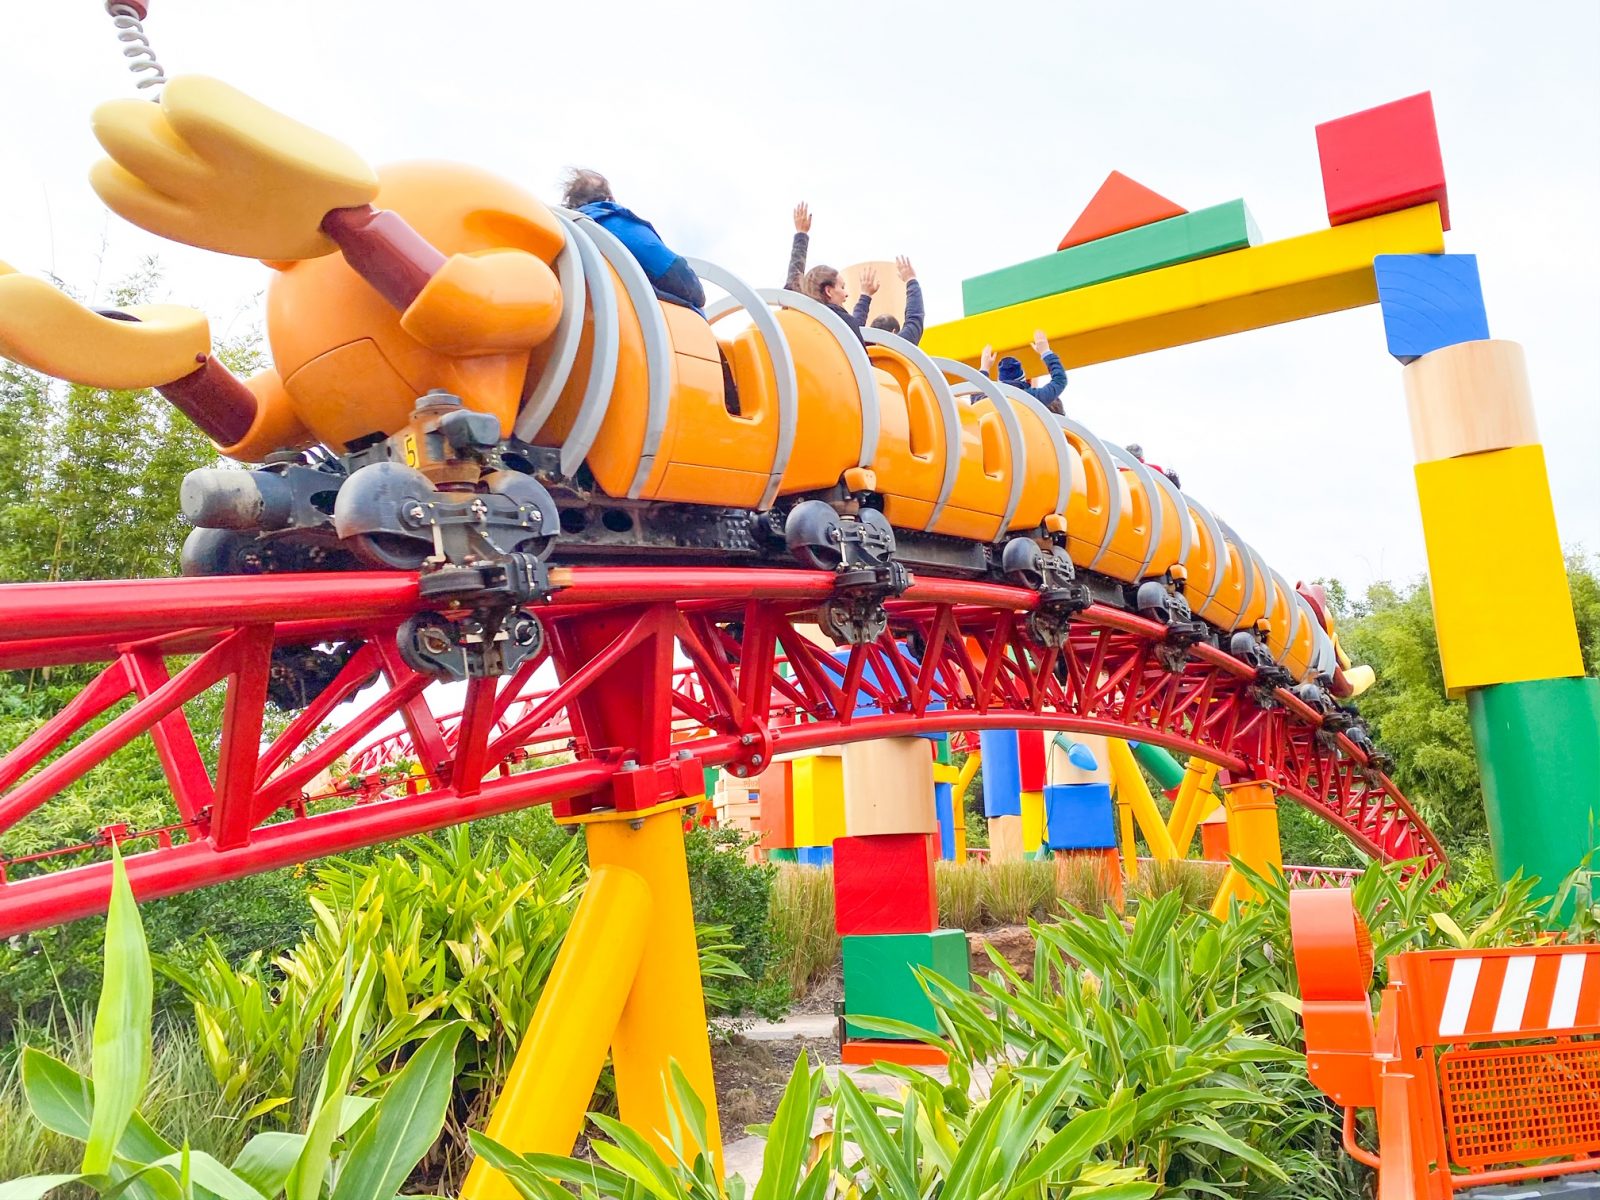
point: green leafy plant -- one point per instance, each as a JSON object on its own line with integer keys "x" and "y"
{"x": 352, "y": 1148}
{"x": 1020, "y": 1141}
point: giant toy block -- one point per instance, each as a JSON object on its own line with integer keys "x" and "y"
{"x": 1382, "y": 160}
{"x": 888, "y": 787}
{"x": 880, "y": 979}
{"x": 1002, "y": 773}
{"x": 1078, "y": 758}
{"x": 817, "y": 796}
{"x": 1429, "y": 301}
{"x": 1538, "y": 746}
{"x": 1117, "y": 205}
{"x": 1032, "y": 804}
{"x": 1496, "y": 507}
{"x": 883, "y": 883}
{"x": 1214, "y": 230}
{"x": 1005, "y": 837}
{"x": 1030, "y": 760}
{"x": 1080, "y": 816}
{"x": 1468, "y": 398}
{"x": 1299, "y": 277}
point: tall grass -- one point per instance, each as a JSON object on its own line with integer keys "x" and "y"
{"x": 182, "y": 1099}
{"x": 802, "y": 921}
{"x": 1196, "y": 882}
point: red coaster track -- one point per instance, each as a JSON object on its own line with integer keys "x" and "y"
{"x": 695, "y": 667}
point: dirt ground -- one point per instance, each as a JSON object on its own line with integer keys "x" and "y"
{"x": 751, "y": 1076}
{"x": 1013, "y": 942}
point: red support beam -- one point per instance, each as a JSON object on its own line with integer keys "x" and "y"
{"x": 622, "y": 703}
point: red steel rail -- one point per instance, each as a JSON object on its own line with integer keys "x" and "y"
{"x": 753, "y": 687}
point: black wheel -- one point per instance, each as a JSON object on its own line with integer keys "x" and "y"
{"x": 224, "y": 552}
{"x": 1022, "y": 560}
{"x": 814, "y": 534}
{"x": 391, "y": 550}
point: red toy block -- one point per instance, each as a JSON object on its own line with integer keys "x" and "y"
{"x": 1120, "y": 204}
{"x": 1382, "y": 160}
{"x": 883, "y": 883}
{"x": 863, "y": 1052}
{"x": 1030, "y": 757}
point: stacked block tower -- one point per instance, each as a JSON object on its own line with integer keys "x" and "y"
{"x": 1508, "y": 640}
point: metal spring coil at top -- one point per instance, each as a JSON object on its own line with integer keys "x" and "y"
{"x": 128, "y": 18}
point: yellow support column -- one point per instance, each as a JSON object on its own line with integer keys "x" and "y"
{"x": 1135, "y": 793}
{"x": 1252, "y": 840}
{"x": 541, "y": 1108}
{"x": 664, "y": 1017}
{"x": 1194, "y": 803}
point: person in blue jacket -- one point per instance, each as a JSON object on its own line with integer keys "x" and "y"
{"x": 589, "y": 193}
{"x": 1048, "y": 394}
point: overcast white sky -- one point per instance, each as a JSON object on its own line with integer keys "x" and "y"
{"x": 967, "y": 136}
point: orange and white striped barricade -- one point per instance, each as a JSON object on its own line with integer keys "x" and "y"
{"x": 1483, "y": 1066}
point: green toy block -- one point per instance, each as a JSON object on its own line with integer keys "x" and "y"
{"x": 880, "y": 980}
{"x": 786, "y": 854}
{"x": 941, "y": 750}
{"x": 1214, "y": 230}
{"x": 1538, "y": 747}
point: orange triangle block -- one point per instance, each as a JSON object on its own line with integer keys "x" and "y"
{"x": 1120, "y": 204}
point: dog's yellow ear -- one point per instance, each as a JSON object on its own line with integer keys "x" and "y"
{"x": 45, "y": 329}
{"x": 210, "y": 167}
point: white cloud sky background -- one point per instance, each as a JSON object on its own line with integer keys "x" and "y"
{"x": 967, "y": 136}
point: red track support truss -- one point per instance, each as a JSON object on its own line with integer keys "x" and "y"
{"x": 715, "y": 667}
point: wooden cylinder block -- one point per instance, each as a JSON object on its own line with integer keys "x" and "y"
{"x": 1468, "y": 398}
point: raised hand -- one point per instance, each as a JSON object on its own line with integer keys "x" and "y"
{"x": 210, "y": 167}
{"x": 802, "y": 218}
{"x": 869, "y": 281}
{"x": 1041, "y": 344}
{"x": 986, "y": 361}
{"x": 902, "y": 264}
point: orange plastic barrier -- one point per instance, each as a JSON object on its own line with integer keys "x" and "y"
{"x": 1483, "y": 1067}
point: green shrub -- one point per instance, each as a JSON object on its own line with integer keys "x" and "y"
{"x": 732, "y": 891}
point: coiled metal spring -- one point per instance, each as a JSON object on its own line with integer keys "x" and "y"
{"x": 129, "y": 18}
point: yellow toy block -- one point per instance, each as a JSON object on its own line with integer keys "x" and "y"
{"x": 1005, "y": 839}
{"x": 1501, "y": 603}
{"x": 1032, "y": 821}
{"x": 1468, "y": 398}
{"x": 818, "y": 797}
{"x": 1299, "y": 277}
{"x": 888, "y": 787}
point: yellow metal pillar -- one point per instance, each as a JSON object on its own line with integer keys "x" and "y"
{"x": 1252, "y": 840}
{"x": 541, "y": 1108}
{"x": 1135, "y": 793}
{"x": 1194, "y": 803}
{"x": 664, "y": 1018}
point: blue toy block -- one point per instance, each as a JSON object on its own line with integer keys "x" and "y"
{"x": 1002, "y": 773}
{"x": 944, "y": 809}
{"x": 814, "y": 856}
{"x": 1429, "y": 301}
{"x": 1079, "y": 816}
